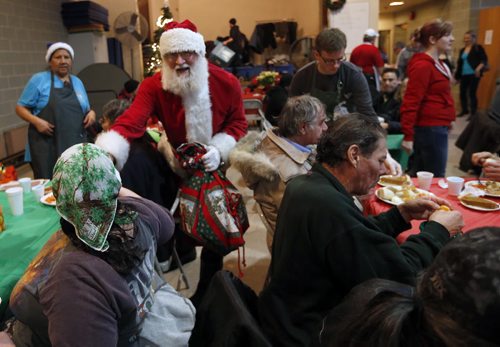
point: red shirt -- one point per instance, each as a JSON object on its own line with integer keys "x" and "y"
{"x": 427, "y": 100}
{"x": 366, "y": 56}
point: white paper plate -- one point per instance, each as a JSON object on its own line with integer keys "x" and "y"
{"x": 477, "y": 208}
{"x": 390, "y": 202}
{"x": 12, "y": 184}
{"x": 48, "y": 199}
{"x": 474, "y": 183}
{"x": 385, "y": 184}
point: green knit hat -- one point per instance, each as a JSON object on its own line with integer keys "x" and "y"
{"x": 86, "y": 185}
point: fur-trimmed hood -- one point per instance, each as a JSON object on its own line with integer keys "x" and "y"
{"x": 253, "y": 165}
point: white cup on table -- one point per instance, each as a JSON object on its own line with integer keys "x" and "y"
{"x": 455, "y": 185}
{"x": 424, "y": 179}
{"x": 38, "y": 191}
{"x": 25, "y": 182}
{"x": 15, "y": 198}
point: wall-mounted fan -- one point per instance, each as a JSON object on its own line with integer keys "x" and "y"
{"x": 301, "y": 52}
{"x": 131, "y": 29}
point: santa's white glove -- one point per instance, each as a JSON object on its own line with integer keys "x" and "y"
{"x": 392, "y": 166}
{"x": 211, "y": 159}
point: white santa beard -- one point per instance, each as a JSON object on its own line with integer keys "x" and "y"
{"x": 194, "y": 91}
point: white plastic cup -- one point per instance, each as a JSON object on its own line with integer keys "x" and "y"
{"x": 38, "y": 191}
{"x": 455, "y": 185}
{"x": 424, "y": 179}
{"x": 25, "y": 182}
{"x": 15, "y": 198}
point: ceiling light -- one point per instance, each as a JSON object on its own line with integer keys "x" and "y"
{"x": 396, "y": 3}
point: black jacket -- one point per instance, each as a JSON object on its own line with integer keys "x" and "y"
{"x": 323, "y": 247}
{"x": 476, "y": 56}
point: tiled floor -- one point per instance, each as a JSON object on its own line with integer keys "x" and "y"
{"x": 257, "y": 256}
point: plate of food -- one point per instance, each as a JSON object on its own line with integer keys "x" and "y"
{"x": 48, "y": 199}
{"x": 490, "y": 188}
{"x": 390, "y": 180}
{"x": 396, "y": 195}
{"x": 478, "y": 203}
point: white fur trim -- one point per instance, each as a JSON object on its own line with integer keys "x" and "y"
{"x": 59, "y": 45}
{"x": 198, "y": 111}
{"x": 116, "y": 145}
{"x": 181, "y": 40}
{"x": 224, "y": 143}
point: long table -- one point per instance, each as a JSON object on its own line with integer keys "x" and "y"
{"x": 472, "y": 218}
{"x": 22, "y": 239}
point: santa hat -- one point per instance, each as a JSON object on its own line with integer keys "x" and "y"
{"x": 58, "y": 45}
{"x": 181, "y": 37}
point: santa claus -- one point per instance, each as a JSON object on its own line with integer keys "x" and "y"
{"x": 195, "y": 101}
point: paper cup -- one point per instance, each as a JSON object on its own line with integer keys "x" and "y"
{"x": 38, "y": 191}
{"x": 25, "y": 182}
{"x": 455, "y": 185}
{"x": 15, "y": 198}
{"x": 424, "y": 179}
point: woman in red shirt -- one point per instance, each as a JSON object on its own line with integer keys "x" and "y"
{"x": 428, "y": 109}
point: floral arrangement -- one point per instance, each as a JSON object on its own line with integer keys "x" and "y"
{"x": 266, "y": 79}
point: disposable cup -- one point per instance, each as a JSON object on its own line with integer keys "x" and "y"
{"x": 424, "y": 179}
{"x": 15, "y": 198}
{"x": 25, "y": 182}
{"x": 38, "y": 191}
{"x": 455, "y": 185}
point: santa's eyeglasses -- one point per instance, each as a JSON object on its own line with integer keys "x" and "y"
{"x": 183, "y": 55}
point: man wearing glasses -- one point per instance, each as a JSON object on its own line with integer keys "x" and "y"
{"x": 195, "y": 101}
{"x": 339, "y": 84}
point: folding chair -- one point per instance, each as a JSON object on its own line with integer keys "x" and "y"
{"x": 164, "y": 266}
{"x": 254, "y": 114}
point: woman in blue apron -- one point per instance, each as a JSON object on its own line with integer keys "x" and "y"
{"x": 57, "y": 107}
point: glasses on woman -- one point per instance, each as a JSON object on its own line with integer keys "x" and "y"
{"x": 184, "y": 55}
{"x": 332, "y": 61}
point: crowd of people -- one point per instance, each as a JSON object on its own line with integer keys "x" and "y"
{"x": 337, "y": 277}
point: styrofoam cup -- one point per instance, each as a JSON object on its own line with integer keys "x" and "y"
{"x": 424, "y": 179}
{"x": 455, "y": 185}
{"x": 38, "y": 191}
{"x": 25, "y": 182}
{"x": 15, "y": 198}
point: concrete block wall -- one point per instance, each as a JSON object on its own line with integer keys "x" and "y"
{"x": 26, "y": 26}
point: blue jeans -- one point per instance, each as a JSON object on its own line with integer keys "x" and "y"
{"x": 430, "y": 150}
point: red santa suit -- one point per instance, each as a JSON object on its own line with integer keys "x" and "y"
{"x": 213, "y": 115}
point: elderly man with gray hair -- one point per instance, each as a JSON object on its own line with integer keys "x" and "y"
{"x": 268, "y": 161}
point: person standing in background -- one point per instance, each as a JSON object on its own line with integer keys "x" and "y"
{"x": 235, "y": 41}
{"x": 406, "y": 53}
{"x": 427, "y": 109}
{"x": 472, "y": 60}
{"x": 368, "y": 57}
{"x": 56, "y": 105}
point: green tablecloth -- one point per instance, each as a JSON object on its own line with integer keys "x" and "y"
{"x": 394, "y": 142}
{"x": 23, "y": 238}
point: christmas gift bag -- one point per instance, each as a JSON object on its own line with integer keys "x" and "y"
{"x": 212, "y": 210}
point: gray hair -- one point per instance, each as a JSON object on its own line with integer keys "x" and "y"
{"x": 114, "y": 108}
{"x": 353, "y": 129}
{"x": 331, "y": 40}
{"x": 298, "y": 110}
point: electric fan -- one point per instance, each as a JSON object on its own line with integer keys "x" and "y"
{"x": 131, "y": 29}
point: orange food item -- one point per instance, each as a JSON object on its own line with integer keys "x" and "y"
{"x": 50, "y": 199}
{"x": 444, "y": 208}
